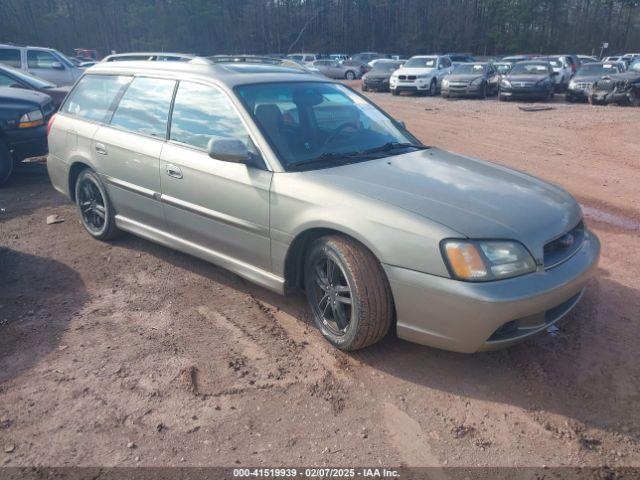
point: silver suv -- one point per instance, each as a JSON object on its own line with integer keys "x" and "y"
{"x": 45, "y": 63}
{"x": 295, "y": 182}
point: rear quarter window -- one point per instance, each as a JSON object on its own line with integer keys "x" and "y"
{"x": 94, "y": 96}
{"x": 11, "y": 57}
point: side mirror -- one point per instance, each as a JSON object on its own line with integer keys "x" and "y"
{"x": 228, "y": 150}
{"x": 57, "y": 65}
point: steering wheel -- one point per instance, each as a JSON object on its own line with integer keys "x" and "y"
{"x": 338, "y": 131}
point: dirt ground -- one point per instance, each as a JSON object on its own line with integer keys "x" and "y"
{"x": 129, "y": 353}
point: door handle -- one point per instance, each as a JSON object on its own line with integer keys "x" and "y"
{"x": 101, "y": 149}
{"x": 173, "y": 171}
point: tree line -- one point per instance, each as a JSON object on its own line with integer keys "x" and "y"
{"x": 206, "y": 27}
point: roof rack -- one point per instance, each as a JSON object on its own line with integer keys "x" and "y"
{"x": 244, "y": 59}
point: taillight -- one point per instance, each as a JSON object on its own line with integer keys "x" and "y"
{"x": 50, "y": 124}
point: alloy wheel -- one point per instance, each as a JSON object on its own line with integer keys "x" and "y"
{"x": 331, "y": 294}
{"x": 92, "y": 206}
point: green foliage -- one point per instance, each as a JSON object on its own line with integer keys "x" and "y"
{"x": 267, "y": 26}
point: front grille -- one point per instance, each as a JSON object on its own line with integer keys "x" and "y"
{"x": 563, "y": 248}
{"x": 584, "y": 85}
{"x": 522, "y": 84}
{"x": 605, "y": 85}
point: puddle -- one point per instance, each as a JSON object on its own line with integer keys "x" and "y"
{"x": 610, "y": 218}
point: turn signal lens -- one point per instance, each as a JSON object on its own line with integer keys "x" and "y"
{"x": 31, "y": 119}
{"x": 465, "y": 260}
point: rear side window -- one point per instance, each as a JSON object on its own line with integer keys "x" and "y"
{"x": 144, "y": 108}
{"x": 94, "y": 95}
{"x": 11, "y": 57}
{"x": 201, "y": 113}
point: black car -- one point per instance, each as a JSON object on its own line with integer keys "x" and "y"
{"x": 24, "y": 115}
{"x": 377, "y": 79}
{"x": 530, "y": 80}
{"x": 12, "y": 77}
{"x": 622, "y": 88}
{"x": 589, "y": 73}
{"x": 471, "y": 80}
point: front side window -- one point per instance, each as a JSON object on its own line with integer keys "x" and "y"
{"x": 202, "y": 113}
{"x": 11, "y": 57}
{"x": 309, "y": 122}
{"x": 144, "y": 108}
{"x": 94, "y": 95}
{"x": 41, "y": 59}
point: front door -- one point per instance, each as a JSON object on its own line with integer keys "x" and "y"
{"x": 220, "y": 207}
{"x": 45, "y": 65}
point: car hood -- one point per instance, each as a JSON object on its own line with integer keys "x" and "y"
{"x": 475, "y": 198}
{"x": 463, "y": 77}
{"x": 414, "y": 71}
{"x": 20, "y": 97}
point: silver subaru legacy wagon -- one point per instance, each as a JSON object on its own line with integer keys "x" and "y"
{"x": 295, "y": 182}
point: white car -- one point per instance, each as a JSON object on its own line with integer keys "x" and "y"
{"x": 304, "y": 58}
{"x": 562, "y": 67}
{"x": 421, "y": 74}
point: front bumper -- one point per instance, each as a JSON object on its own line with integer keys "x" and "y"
{"x": 613, "y": 96}
{"x": 461, "y": 91}
{"x": 28, "y": 142}
{"x": 526, "y": 94}
{"x": 411, "y": 85}
{"x": 376, "y": 85}
{"x": 469, "y": 317}
{"x": 578, "y": 94}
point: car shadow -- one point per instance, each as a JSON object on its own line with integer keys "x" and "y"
{"x": 569, "y": 374}
{"x": 38, "y": 298}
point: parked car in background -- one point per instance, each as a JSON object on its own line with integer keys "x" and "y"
{"x": 571, "y": 59}
{"x": 629, "y": 58}
{"x": 580, "y": 85}
{"x": 12, "y": 77}
{"x": 502, "y": 67}
{"x": 613, "y": 58}
{"x": 460, "y": 57}
{"x": 421, "y": 74}
{"x": 46, "y": 63}
{"x": 304, "y": 58}
{"x": 335, "y": 69}
{"x": 366, "y": 57}
{"x": 300, "y": 184}
{"x": 621, "y": 88}
{"x": 471, "y": 80}
{"x": 85, "y": 54}
{"x": 87, "y": 64}
{"x": 149, "y": 56}
{"x": 530, "y": 80}
{"x": 516, "y": 58}
{"x": 377, "y": 79}
{"x": 23, "y": 126}
{"x": 339, "y": 56}
{"x": 563, "y": 68}
{"x": 363, "y": 67}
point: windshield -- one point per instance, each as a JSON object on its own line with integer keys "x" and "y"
{"x": 421, "y": 62}
{"x": 64, "y": 58}
{"x": 469, "y": 68}
{"x": 530, "y": 69}
{"x": 35, "y": 82}
{"x": 555, "y": 63}
{"x": 386, "y": 66}
{"x": 502, "y": 67}
{"x": 598, "y": 69}
{"x": 311, "y": 123}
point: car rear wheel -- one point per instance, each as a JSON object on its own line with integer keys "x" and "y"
{"x": 348, "y": 292}
{"x": 96, "y": 211}
{"x": 433, "y": 88}
{"x": 350, "y": 75}
{"x": 6, "y": 162}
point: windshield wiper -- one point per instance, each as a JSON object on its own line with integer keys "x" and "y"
{"x": 389, "y": 146}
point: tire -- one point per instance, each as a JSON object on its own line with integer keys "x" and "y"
{"x": 445, "y": 95}
{"x": 6, "y": 162}
{"x": 94, "y": 207}
{"x": 502, "y": 98}
{"x": 634, "y": 98}
{"x": 433, "y": 88}
{"x": 350, "y": 75}
{"x": 366, "y": 316}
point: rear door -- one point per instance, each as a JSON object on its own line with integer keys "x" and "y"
{"x": 220, "y": 206}
{"x": 128, "y": 149}
{"x": 11, "y": 56}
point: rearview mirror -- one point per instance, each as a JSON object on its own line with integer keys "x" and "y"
{"x": 228, "y": 150}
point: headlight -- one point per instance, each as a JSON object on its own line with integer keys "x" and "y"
{"x": 573, "y": 85}
{"x": 31, "y": 119}
{"x": 505, "y": 83}
{"x": 445, "y": 83}
{"x": 482, "y": 261}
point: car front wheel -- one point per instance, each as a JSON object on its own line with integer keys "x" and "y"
{"x": 348, "y": 292}
{"x": 95, "y": 208}
{"x": 350, "y": 75}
